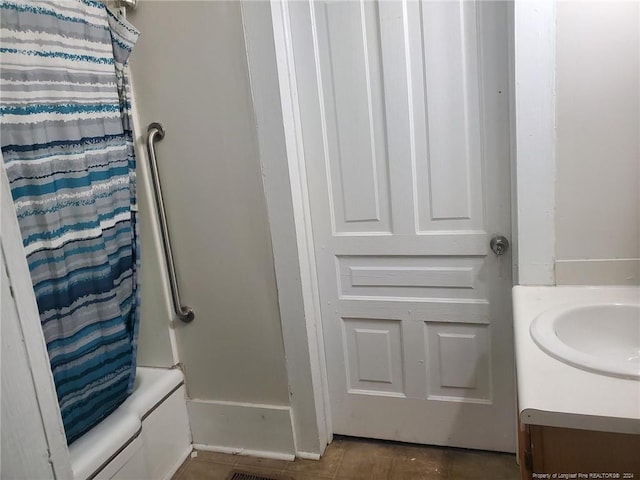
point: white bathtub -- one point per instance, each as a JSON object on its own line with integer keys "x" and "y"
{"x": 147, "y": 437}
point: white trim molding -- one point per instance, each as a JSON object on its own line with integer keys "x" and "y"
{"x": 535, "y": 52}
{"x": 274, "y": 91}
{"x": 242, "y": 452}
{"x": 302, "y": 217}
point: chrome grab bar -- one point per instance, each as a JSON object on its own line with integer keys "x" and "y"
{"x": 183, "y": 312}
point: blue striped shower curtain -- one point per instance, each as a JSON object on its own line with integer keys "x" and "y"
{"x": 68, "y": 153}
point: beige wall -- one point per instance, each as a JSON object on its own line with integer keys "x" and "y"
{"x": 190, "y": 73}
{"x": 598, "y": 146}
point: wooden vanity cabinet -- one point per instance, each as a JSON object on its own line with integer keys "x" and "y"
{"x": 572, "y": 453}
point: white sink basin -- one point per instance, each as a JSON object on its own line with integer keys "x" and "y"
{"x": 599, "y": 337}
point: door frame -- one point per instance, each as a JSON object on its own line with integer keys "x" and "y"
{"x": 274, "y": 95}
{"x": 532, "y": 121}
{"x": 302, "y": 206}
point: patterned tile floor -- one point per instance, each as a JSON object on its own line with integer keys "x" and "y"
{"x": 362, "y": 459}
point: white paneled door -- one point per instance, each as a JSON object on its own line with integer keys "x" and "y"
{"x": 404, "y": 118}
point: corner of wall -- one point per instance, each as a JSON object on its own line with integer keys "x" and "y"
{"x": 534, "y": 79}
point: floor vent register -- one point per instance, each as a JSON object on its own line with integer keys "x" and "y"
{"x": 239, "y": 475}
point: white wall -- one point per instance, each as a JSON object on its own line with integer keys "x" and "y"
{"x": 597, "y": 143}
{"x": 190, "y": 73}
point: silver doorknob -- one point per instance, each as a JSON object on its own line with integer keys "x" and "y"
{"x": 499, "y": 244}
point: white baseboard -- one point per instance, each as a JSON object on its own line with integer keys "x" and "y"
{"x": 308, "y": 455}
{"x": 616, "y": 271}
{"x": 243, "y": 451}
{"x": 242, "y": 428}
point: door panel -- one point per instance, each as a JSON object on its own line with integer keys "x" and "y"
{"x": 409, "y": 277}
{"x": 446, "y": 102}
{"x": 373, "y": 352}
{"x": 459, "y": 367}
{"x": 404, "y": 116}
{"x": 357, "y": 161}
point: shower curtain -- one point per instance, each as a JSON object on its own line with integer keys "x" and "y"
{"x": 68, "y": 153}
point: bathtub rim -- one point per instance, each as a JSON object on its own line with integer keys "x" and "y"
{"x": 91, "y": 453}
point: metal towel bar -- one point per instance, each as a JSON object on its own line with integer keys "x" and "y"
{"x": 183, "y": 312}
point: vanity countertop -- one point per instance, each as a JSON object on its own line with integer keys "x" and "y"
{"x": 553, "y": 393}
